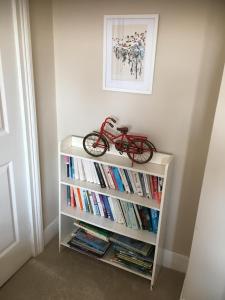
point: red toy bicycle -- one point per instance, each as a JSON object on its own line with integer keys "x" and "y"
{"x": 138, "y": 148}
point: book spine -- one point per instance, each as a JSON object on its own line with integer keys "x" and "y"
{"x": 119, "y": 212}
{"x": 87, "y": 209}
{"x": 100, "y": 177}
{"x": 113, "y": 210}
{"x": 137, "y": 216}
{"x": 108, "y": 208}
{"x": 137, "y": 183}
{"x": 118, "y": 179}
{"x": 68, "y": 199}
{"x": 67, "y": 161}
{"x": 92, "y": 203}
{"x": 79, "y": 199}
{"x": 154, "y": 219}
{"x": 77, "y": 172}
{"x": 125, "y": 213}
{"x": 142, "y": 181}
{"x": 103, "y": 175}
{"x": 100, "y": 205}
{"x": 130, "y": 173}
{"x": 128, "y": 181}
{"x": 124, "y": 180}
{"x": 103, "y": 206}
{"x": 147, "y": 186}
{"x": 109, "y": 177}
{"x": 95, "y": 203}
{"x": 113, "y": 178}
{"x": 72, "y": 198}
{"x": 160, "y": 188}
{"x": 132, "y": 216}
{"x": 89, "y": 202}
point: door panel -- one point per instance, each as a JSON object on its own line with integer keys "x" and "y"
{"x": 8, "y": 211}
{"x": 15, "y": 228}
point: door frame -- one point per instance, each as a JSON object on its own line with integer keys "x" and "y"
{"x": 29, "y": 118}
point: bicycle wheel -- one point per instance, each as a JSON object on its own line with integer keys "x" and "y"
{"x": 94, "y": 144}
{"x": 140, "y": 151}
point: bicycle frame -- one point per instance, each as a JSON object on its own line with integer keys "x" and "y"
{"x": 122, "y": 136}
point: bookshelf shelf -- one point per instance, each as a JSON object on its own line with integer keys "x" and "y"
{"x": 159, "y": 166}
{"x": 141, "y": 235}
{"x": 143, "y": 201}
{"x": 107, "y": 258}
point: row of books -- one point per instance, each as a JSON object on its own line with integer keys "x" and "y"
{"x": 133, "y": 254}
{"x": 126, "y": 213}
{"x": 114, "y": 178}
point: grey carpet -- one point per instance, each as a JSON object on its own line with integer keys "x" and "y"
{"x": 70, "y": 275}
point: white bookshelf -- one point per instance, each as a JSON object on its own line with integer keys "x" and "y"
{"x": 160, "y": 165}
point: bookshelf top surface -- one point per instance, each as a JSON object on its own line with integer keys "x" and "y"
{"x": 72, "y": 146}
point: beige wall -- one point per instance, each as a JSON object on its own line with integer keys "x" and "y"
{"x": 177, "y": 117}
{"x": 206, "y": 272}
{"x": 43, "y": 59}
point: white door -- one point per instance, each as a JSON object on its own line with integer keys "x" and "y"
{"x": 15, "y": 228}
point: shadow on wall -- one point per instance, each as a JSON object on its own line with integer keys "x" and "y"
{"x": 202, "y": 120}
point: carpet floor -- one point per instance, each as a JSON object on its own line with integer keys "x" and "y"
{"x": 70, "y": 275}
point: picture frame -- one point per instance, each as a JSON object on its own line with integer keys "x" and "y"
{"x": 129, "y": 48}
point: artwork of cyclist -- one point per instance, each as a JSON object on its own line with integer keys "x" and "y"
{"x": 129, "y": 53}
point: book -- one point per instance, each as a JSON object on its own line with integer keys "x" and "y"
{"x": 113, "y": 210}
{"x": 104, "y": 176}
{"x": 109, "y": 177}
{"x": 72, "y": 198}
{"x": 160, "y": 188}
{"x": 113, "y": 178}
{"x": 132, "y": 216}
{"x": 107, "y": 207}
{"x": 72, "y": 175}
{"x": 67, "y": 161}
{"x": 92, "y": 203}
{"x": 126, "y": 214}
{"x": 154, "y": 219}
{"x": 130, "y": 174}
{"x": 90, "y": 208}
{"x": 131, "y": 244}
{"x": 79, "y": 198}
{"x": 99, "y": 205}
{"x": 137, "y": 216}
{"x": 147, "y": 186}
{"x": 103, "y": 205}
{"x": 118, "y": 179}
{"x": 100, "y": 177}
{"x": 68, "y": 197}
{"x": 137, "y": 183}
{"x": 80, "y": 169}
{"x": 124, "y": 180}
{"x": 95, "y": 203}
{"x": 142, "y": 181}
{"x": 128, "y": 181}
{"x": 119, "y": 212}
{"x": 94, "y": 230}
{"x": 91, "y": 240}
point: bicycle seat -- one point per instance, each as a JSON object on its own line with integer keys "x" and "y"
{"x": 122, "y": 129}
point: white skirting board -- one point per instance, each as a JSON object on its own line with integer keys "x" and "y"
{"x": 171, "y": 260}
{"x": 51, "y": 231}
{"x": 175, "y": 261}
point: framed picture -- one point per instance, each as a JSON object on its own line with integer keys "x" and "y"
{"x": 129, "y": 53}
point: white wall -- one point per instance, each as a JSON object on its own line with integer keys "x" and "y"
{"x": 43, "y": 59}
{"x": 177, "y": 117}
{"x": 205, "y": 279}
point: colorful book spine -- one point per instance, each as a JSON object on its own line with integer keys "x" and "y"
{"x": 118, "y": 179}
{"x": 100, "y": 177}
{"x": 128, "y": 181}
{"x": 68, "y": 199}
{"x": 113, "y": 178}
{"x": 72, "y": 198}
{"x": 108, "y": 208}
{"x": 154, "y": 219}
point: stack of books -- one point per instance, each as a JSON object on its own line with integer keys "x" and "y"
{"x": 114, "y": 178}
{"x": 133, "y": 254}
{"x": 126, "y": 213}
{"x": 87, "y": 242}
